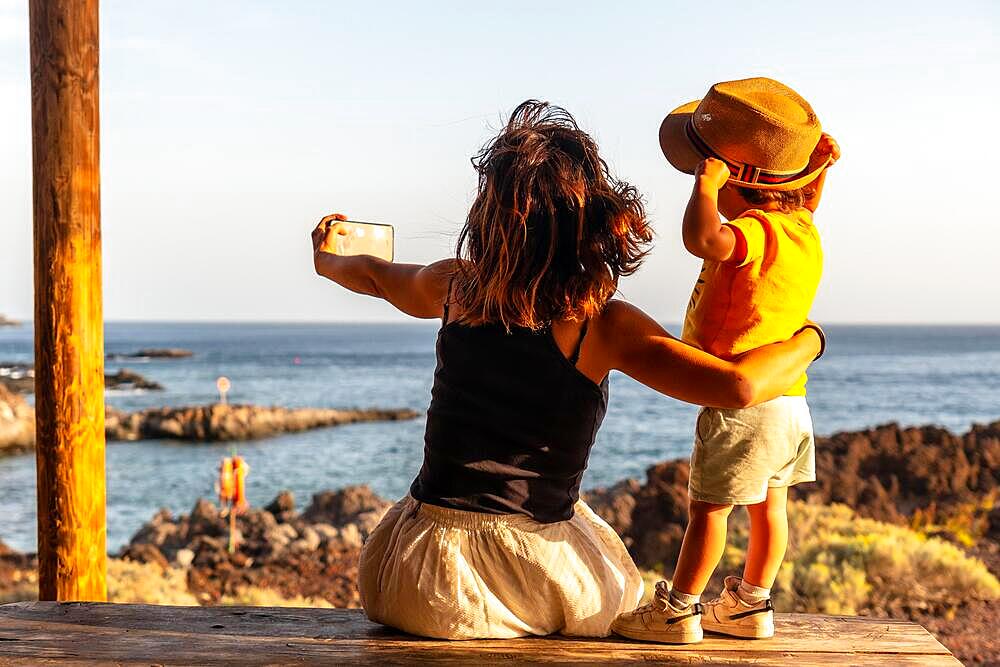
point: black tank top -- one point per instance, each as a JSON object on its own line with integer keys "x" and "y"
{"x": 510, "y": 425}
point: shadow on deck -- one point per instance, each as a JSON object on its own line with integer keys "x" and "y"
{"x": 92, "y": 633}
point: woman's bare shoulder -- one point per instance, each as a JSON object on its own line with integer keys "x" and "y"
{"x": 443, "y": 269}
{"x": 621, "y": 318}
{"x": 438, "y": 277}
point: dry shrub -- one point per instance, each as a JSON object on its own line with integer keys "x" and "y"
{"x": 127, "y": 581}
{"x": 147, "y": 583}
{"x": 255, "y": 596}
{"x": 838, "y": 563}
{"x": 21, "y": 589}
{"x": 966, "y": 522}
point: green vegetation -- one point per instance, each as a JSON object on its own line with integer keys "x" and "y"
{"x": 838, "y": 563}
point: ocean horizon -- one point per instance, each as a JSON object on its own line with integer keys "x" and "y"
{"x": 913, "y": 374}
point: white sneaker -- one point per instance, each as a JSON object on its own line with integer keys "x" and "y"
{"x": 659, "y": 621}
{"x": 728, "y": 614}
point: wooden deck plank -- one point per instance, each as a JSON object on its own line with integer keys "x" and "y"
{"x": 94, "y": 633}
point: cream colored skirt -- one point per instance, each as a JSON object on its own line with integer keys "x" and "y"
{"x": 451, "y": 574}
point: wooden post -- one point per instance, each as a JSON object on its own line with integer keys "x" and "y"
{"x": 69, "y": 335}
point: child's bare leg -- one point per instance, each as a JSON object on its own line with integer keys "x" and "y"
{"x": 702, "y": 548}
{"x": 768, "y": 538}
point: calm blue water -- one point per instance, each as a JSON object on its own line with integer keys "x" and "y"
{"x": 871, "y": 375}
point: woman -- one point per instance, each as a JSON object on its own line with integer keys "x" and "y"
{"x": 492, "y": 540}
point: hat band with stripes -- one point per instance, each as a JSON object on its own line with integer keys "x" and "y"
{"x": 740, "y": 171}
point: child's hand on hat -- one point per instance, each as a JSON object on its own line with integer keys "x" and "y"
{"x": 712, "y": 172}
{"x": 828, "y": 146}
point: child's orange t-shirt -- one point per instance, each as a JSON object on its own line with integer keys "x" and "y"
{"x": 765, "y": 298}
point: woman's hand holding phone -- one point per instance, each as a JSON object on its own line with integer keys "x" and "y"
{"x": 337, "y": 235}
{"x": 324, "y": 236}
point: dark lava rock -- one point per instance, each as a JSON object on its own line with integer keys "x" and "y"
{"x": 357, "y": 505}
{"x": 155, "y": 353}
{"x": 887, "y": 473}
{"x": 218, "y": 422}
{"x": 206, "y": 520}
{"x": 17, "y": 377}
{"x": 145, "y": 553}
{"x": 313, "y": 555}
{"x": 282, "y": 507}
{"x": 126, "y": 379}
{"x": 20, "y": 378}
{"x": 17, "y": 423}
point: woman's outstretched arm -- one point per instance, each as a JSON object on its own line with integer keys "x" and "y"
{"x": 415, "y": 289}
{"x": 637, "y": 346}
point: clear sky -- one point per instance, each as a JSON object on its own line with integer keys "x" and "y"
{"x": 228, "y": 129}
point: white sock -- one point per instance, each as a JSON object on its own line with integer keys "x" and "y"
{"x": 752, "y": 594}
{"x": 681, "y": 600}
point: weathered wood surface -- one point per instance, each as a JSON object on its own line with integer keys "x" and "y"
{"x": 90, "y": 633}
{"x": 69, "y": 334}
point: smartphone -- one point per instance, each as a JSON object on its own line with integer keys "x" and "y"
{"x": 366, "y": 238}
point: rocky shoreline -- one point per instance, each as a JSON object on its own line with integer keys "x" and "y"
{"x": 154, "y": 353}
{"x": 198, "y": 423}
{"x": 911, "y": 511}
{"x": 17, "y": 423}
{"x": 217, "y": 422}
{"x": 924, "y": 475}
{"x": 225, "y": 423}
{"x": 123, "y": 378}
{"x": 20, "y": 378}
{"x": 311, "y": 554}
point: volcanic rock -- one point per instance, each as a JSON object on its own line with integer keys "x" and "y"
{"x": 17, "y": 376}
{"x": 17, "y": 423}
{"x": 155, "y": 353}
{"x": 887, "y": 473}
{"x": 312, "y": 555}
{"x": 145, "y": 553}
{"x": 20, "y": 378}
{"x": 126, "y": 379}
{"x": 282, "y": 507}
{"x": 206, "y": 520}
{"x": 220, "y": 422}
{"x": 353, "y": 505}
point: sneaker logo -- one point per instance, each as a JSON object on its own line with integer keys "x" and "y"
{"x": 763, "y": 610}
{"x": 695, "y": 611}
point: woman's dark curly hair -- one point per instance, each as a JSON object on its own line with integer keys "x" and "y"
{"x": 550, "y": 231}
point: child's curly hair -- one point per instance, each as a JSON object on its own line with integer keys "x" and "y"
{"x": 551, "y": 230}
{"x": 787, "y": 200}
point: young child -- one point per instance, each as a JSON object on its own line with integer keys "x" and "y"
{"x": 759, "y": 158}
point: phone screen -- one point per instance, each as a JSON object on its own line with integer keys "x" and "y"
{"x": 366, "y": 238}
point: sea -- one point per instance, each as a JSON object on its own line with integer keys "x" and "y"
{"x": 913, "y": 375}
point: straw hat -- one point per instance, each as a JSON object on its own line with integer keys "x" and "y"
{"x": 763, "y": 130}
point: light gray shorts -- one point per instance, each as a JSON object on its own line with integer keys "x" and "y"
{"x": 740, "y": 453}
